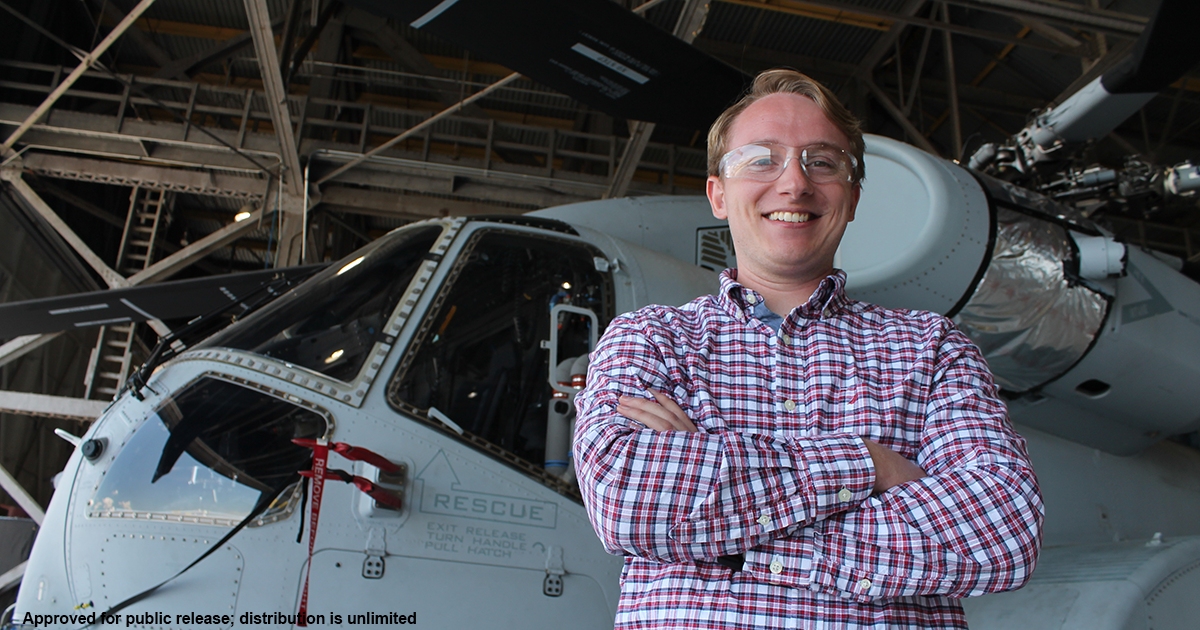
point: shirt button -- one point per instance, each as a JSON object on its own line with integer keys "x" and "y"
{"x": 777, "y": 567}
{"x": 845, "y": 495}
{"x": 785, "y": 338}
{"x": 789, "y": 405}
{"x": 864, "y": 584}
{"x": 828, "y": 312}
{"x": 750, "y": 299}
{"x": 764, "y": 520}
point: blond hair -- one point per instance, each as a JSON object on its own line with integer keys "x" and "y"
{"x": 786, "y": 81}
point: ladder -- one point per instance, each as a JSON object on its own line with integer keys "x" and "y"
{"x": 113, "y": 355}
{"x": 146, "y": 207}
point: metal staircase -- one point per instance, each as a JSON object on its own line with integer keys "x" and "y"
{"x": 108, "y": 367}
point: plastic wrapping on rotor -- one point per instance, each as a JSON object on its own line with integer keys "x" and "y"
{"x": 1030, "y": 320}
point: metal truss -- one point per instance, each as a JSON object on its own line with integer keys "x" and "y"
{"x": 459, "y": 155}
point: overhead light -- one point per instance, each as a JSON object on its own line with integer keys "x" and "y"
{"x": 337, "y": 354}
{"x": 566, "y": 285}
{"x": 350, "y": 265}
{"x": 241, "y": 216}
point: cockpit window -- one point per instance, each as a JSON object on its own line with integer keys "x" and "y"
{"x": 481, "y": 357}
{"x": 331, "y": 323}
{"x": 208, "y": 454}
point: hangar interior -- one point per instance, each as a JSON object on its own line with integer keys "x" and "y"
{"x": 143, "y": 142}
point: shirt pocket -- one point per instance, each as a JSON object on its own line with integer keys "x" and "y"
{"x": 865, "y": 403}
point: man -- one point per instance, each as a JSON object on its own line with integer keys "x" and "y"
{"x": 778, "y": 455}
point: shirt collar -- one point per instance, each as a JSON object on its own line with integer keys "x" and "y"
{"x": 828, "y": 300}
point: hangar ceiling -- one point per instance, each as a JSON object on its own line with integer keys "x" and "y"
{"x": 178, "y": 127}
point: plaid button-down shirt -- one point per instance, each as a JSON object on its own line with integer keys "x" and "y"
{"x": 778, "y": 471}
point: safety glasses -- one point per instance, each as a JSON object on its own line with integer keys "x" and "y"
{"x": 765, "y": 162}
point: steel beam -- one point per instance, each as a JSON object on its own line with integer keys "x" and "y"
{"x": 915, "y": 136}
{"x": 952, "y": 84}
{"x": 436, "y": 80}
{"x": 290, "y": 236}
{"x": 45, "y": 406}
{"x": 220, "y": 52}
{"x": 110, "y": 276}
{"x": 883, "y": 45}
{"x": 406, "y": 55}
{"x": 158, "y": 177}
{"x": 23, "y": 498}
{"x": 639, "y": 137}
{"x": 329, "y": 50}
{"x": 935, "y": 24}
{"x": 21, "y": 346}
{"x": 381, "y": 203}
{"x": 1052, "y": 34}
{"x": 139, "y": 38}
{"x": 12, "y": 577}
{"x": 917, "y": 72}
{"x": 475, "y": 186}
{"x": 268, "y": 66}
{"x": 174, "y": 263}
{"x": 752, "y": 58}
{"x": 419, "y": 127}
{"x": 79, "y": 202}
{"x": 84, "y": 64}
{"x": 1063, "y": 14}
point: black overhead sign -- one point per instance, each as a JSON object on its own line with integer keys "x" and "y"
{"x": 593, "y": 50}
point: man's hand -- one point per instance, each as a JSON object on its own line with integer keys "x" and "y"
{"x": 891, "y": 468}
{"x": 663, "y": 415}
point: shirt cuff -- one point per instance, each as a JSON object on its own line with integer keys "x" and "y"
{"x": 781, "y": 484}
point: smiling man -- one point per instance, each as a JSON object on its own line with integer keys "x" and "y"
{"x": 779, "y": 455}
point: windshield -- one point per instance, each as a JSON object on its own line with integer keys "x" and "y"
{"x": 330, "y": 323}
{"x": 207, "y": 455}
{"x": 480, "y": 357}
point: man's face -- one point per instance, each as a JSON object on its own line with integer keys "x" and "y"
{"x": 787, "y": 229}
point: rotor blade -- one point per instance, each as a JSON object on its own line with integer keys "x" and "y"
{"x": 1163, "y": 53}
{"x": 165, "y": 300}
{"x": 592, "y": 50}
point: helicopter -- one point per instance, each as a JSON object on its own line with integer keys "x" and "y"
{"x": 431, "y": 374}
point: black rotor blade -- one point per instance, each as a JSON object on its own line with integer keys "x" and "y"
{"x": 165, "y": 300}
{"x": 592, "y": 50}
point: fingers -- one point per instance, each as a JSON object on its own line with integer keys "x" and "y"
{"x": 679, "y": 420}
{"x": 646, "y": 412}
{"x": 891, "y": 468}
{"x": 660, "y": 414}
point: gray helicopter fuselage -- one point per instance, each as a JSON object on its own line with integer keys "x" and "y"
{"x": 448, "y": 348}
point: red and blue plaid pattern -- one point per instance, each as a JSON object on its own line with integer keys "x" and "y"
{"x": 778, "y": 470}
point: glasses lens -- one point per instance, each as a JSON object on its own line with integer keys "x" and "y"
{"x": 765, "y": 162}
{"x": 755, "y": 161}
{"x": 824, "y": 163}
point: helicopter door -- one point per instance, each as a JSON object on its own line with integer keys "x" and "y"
{"x": 482, "y": 356}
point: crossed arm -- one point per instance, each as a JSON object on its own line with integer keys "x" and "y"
{"x": 966, "y": 521}
{"x": 662, "y": 414}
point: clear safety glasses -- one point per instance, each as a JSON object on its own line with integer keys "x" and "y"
{"x": 765, "y": 162}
